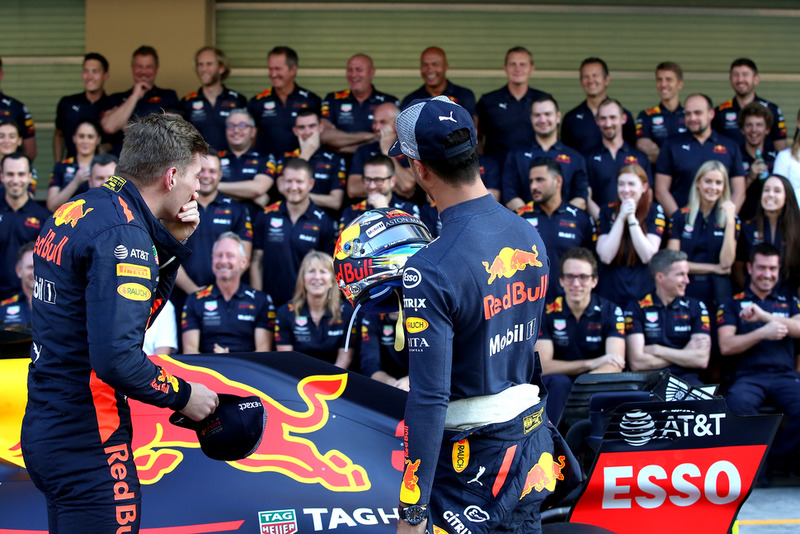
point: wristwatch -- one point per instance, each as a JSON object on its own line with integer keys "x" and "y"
{"x": 414, "y": 514}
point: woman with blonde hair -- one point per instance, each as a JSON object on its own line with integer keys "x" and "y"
{"x": 315, "y": 321}
{"x": 707, "y": 230}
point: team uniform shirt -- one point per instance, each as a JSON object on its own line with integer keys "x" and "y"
{"x": 16, "y": 229}
{"x": 210, "y": 119}
{"x": 580, "y": 131}
{"x": 490, "y": 173}
{"x": 286, "y": 244}
{"x": 726, "y": 121}
{"x": 623, "y": 283}
{"x": 429, "y": 215}
{"x": 505, "y": 121}
{"x": 223, "y": 214}
{"x": 516, "y": 172}
{"x": 474, "y": 297}
{"x": 767, "y": 356}
{"x": 245, "y": 167}
{"x": 364, "y": 152}
{"x": 585, "y": 338}
{"x": 153, "y": 101}
{"x": 377, "y": 352}
{"x": 228, "y": 323}
{"x": 702, "y": 242}
{"x": 460, "y": 95}
{"x": 567, "y": 227}
{"x": 658, "y": 123}
{"x": 602, "y": 169}
{"x": 752, "y": 197}
{"x": 683, "y": 154}
{"x": 321, "y": 341}
{"x": 15, "y": 311}
{"x": 351, "y": 212}
{"x": 348, "y": 114}
{"x": 71, "y": 110}
{"x": 64, "y": 172}
{"x": 13, "y": 109}
{"x": 671, "y": 326}
{"x": 751, "y": 236}
{"x": 275, "y": 120}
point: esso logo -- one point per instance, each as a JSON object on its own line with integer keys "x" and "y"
{"x": 411, "y": 277}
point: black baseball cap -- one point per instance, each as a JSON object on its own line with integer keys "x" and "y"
{"x": 232, "y": 432}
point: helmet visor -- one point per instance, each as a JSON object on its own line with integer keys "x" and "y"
{"x": 401, "y": 233}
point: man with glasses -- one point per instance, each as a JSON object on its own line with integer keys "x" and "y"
{"x": 244, "y": 171}
{"x": 379, "y": 179}
{"x": 581, "y": 332}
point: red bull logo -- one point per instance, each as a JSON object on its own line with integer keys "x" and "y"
{"x": 409, "y": 491}
{"x": 544, "y": 474}
{"x": 70, "y": 213}
{"x": 516, "y": 293}
{"x": 509, "y": 261}
{"x": 646, "y": 302}
{"x": 47, "y": 250}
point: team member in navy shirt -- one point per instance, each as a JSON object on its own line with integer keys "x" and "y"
{"x": 755, "y": 122}
{"x": 666, "y": 118}
{"x": 274, "y": 109}
{"x": 142, "y": 99}
{"x": 89, "y": 103}
{"x": 707, "y": 230}
{"x": 503, "y": 123}
{"x": 580, "y": 130}
{"x": 604, "y": 161}
{"x": 379, "y": 358}
{"x": 756, "y": 330}
{"x": 667, "y": 329}
{"x": 285, "y": 231}
{"x": 245, "y": 173}
{"x": 629, "y": 233}
{"x": 433, "y": 69}
{"x": 744, "y": 78}
{"x": 228, "y": 316}
{"x": 581, "y": 332}
{"x": 545, "y": 118}
{"x": 681, "y": 155}
{"x": 484, "y": 254}
{"x": 21, "y": 218}
{"x": 561, "y": 225}
{"x": 209, "y": 107}
{"x": 16, "y": 310}
{"x": 71, "y": 175}
{"x": 315, "y": 321}
{"x": 14, "y": 110}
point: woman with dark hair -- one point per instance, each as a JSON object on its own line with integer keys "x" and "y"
{"x": 630, "y": 231}
{"x": 315, "y": 321}
{"x": 777, "y": 222}
{"x": 707, "y": 230}
{"x": 70, "y": 175}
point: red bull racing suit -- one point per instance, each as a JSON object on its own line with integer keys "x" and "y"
{"x": 103, "y": 267}
{"x": 473, "y": 300}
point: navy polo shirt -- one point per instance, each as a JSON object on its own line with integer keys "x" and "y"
{"x": 13, "y": 109}
{"x": 222, "y": 215}
{"x": 506, "y": 122}
{"x": 726, "y": 121}
{"x": 240, "y": 168}
{"x": 64, "y": 172}
{"x": 490, "y": 173}
{"x": 516, "y": 172}
{"x": 429, "y": 215}
{"x": 275, "y": 120}
{"x": 348, "y": 114}
{"x": 15, "y": 311}
{"x": 671, "y": 326}
{"x": 658, "y": 123}
{"x": 286, "y": 244}
{"x": 153, "y": 101}
{"x": 766, "y": 356}
{"x": 364, "y": 152}
{"x": 210, "y": 119}
{"x": 682, "y": 154}
{"x": 624, "y": 283}
{"x": 603, "y": 169}
{"x": 567, "y": 227}
{"x": 321, "y": 341}
{"x": 702, "y": 242}
{"x": 583, "y": 339}
{"x": 377, "y": 352}
{"x": 16, "y": 229}
{"x": 351, "y": 212}
{"x": 328, "y": 170}
{"x": 72, "y": 109}
{"x": 580, "y": 131}
{"x": 460, "y": 95}
{"x": 231, "y": 323}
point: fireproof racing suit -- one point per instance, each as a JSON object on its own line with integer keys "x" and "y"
{"x": 104, "y": 265}
{"x": 473, "y": 300}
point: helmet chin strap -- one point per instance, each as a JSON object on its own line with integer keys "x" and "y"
{"x": 350, "y": 327}
{"x": 399, "y": 332}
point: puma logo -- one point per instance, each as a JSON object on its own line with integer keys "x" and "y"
{"x": 450, "y": 118}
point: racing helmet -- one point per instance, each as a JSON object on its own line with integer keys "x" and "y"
{"x": 371, "y": 253}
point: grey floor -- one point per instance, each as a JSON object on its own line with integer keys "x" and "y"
{"x": 769, "y": 506}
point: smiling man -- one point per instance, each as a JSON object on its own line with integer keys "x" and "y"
{"x": 666, "y": 118}
{"x": 433, "y": 69}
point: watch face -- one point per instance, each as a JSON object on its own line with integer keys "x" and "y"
{"x": 414, "y": 515}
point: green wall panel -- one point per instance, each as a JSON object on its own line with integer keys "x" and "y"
{"x": 42, "y": 27}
